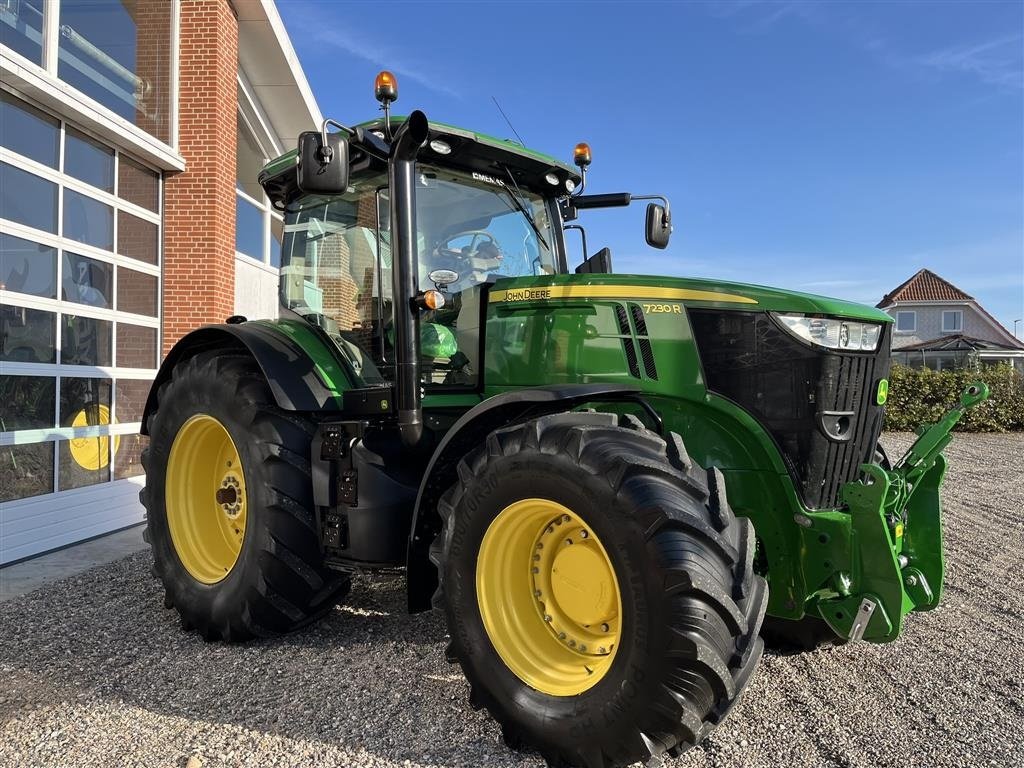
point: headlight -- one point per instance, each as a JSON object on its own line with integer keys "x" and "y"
{"x": 833, "y": 333}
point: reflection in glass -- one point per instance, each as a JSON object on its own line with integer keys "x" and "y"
{"x": 136, "y": 292}
{"x": 84, "y": 461}
{"x": 137, "y": 238}
{"x": 248, "y": 229}
{"x": 27, "y": 267}
{"x": 128, "y": 456}
{"x": 27, "y": 198}
{"x": 27, "y": 335}
{"x": 88, "y": 221}
{"x": 88, "y": 160}
{"x": 136, "y": 346}
{"x": 277, "y": 236}
{"x": 117, "y": 52}
{"x": 249, "y": 161}
{"x": 85, "y": 341}
{"x": 26, "y": 130}
{"x": 130, "y": 399}
{"x": 21, "y": 25}
{"x": 138, "y": 185}
{"x": 26, "y": 402}
{"x": 87, "y": 281}
{"x": 25, "y": 470}
{"x": 84, "y": 402}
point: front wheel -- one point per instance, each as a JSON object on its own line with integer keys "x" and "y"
{"x": 599, "y": 592}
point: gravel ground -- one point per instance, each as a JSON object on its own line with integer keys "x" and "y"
{"x": 94, "y": 672}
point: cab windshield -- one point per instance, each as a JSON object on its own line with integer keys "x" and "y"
{"x": 336, "y": 264}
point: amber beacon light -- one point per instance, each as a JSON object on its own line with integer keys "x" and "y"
{"x": 581, "y": 154}
{"x": 385, "y": 87}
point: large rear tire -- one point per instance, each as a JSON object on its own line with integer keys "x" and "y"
{"x": 229, "y": 504}
{"x": 599, "y": 592}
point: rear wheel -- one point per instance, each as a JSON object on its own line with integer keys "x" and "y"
{"x": 599, "y": 592}
{"x": 229, "y": 504}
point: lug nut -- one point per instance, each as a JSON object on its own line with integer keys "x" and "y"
{"x": 535, "y": 570}
{"x": 605, "y": 627}
{"x": 561, "y": 635}
{"x": 565, "y": 518}
{"x": 584, "y": 535}
{"x": 547, "y": 618}
{"x": 572, "y": 643}
{"x": 602, "y": 650}
{"x": 536, "y": 593}
{"x": 536, "y": 557}
{"x": 568, "y": 541}
{"x": 583, "y": 648}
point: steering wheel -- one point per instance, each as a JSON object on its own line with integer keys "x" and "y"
{"x": 458, "y": 258}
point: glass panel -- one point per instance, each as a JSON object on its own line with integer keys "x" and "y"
{"x": 28, "y": 267}
{"x": 136, "y": 346}
{"x": 249, "y": 161}
{"x": 26, "y": 130}
{"x": 117, "y": 52}
{"x": 88, "y": 160}
{"x": 137, "y": 184}
{"x": 85, "y": 341}
{"x": 137, "y": 238}
{"x": 27, "y": 335}
{"x": 27, "y": 199}
{"x": 25, "y": 470}
{"x": 84, "y": 461}
{"x": 88, "y": 221}
{"x": 87, "y": 281}
{"x": 27, "y": 402}
{"x": 21, "y": 24}
{"x": 84, "y": 402}
{"x": 248, "y": 229}
{"x": 136, "y": 292}
{"x": 128, "y": 456}
{"x": 276, "y": 238}
{"x": 130, "y": 399}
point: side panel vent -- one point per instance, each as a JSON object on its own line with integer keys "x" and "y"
{"x": 628, "y": 347}
{"x": 646, "y": 351}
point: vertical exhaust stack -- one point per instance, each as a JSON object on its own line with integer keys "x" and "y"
{"x": 408, "y": 141}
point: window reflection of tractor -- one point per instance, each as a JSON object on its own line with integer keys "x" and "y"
{"x": 546, "y": 452}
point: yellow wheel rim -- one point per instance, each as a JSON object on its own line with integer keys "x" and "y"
{"x": 205, "y": 499}
{"x": 92, "y": 453}
{"x": 548, "y": 597}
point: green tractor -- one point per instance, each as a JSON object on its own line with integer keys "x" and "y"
{"x": 596, "y": 477}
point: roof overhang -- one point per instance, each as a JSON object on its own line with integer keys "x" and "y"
{"x": 271, "y": 69}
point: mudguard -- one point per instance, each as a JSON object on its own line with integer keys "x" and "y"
{"x": 468, "y": 433}
{"x": 297, "y": 381}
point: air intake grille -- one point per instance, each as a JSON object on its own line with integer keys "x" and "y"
{"x": 791, "y": 388}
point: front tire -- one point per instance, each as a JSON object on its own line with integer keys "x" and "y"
{"x": 229, "y": 504}
{"x": 650, "y": 632}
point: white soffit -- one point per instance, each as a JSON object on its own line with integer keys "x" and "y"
{"x": 272, "y": 69}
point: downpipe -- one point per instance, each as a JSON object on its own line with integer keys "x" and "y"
{"x": 409, "y": 139}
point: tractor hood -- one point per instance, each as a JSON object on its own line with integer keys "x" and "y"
{"x": 655, "y": 288}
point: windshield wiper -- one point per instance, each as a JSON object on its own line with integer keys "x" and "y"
{"x": 522, "y": 208}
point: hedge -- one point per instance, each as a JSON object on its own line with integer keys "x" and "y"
{"x": 921, "y": 395}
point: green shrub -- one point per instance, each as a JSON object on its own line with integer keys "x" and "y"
{"x": 920, "y": 396}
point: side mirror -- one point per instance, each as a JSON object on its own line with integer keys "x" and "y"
{"x": 322, "y": 168}
{"x": 658, "y": 227}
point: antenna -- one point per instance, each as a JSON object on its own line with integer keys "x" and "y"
{"x": 508, "y": 121}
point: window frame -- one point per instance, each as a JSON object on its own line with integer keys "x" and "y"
{"x": 956, "y": 313}
{"x": 60, "y": 308}
{"x": 251, "y": 118}
{"x": 913, "y": 320}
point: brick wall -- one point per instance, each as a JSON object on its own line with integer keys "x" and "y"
{"x": 199, "y": 205}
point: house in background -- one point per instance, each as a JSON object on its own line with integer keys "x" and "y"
{"x": 939, "y": 326}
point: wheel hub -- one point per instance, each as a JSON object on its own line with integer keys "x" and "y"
{"x": 558, "y": 630}
{"x": 205, "y": 499}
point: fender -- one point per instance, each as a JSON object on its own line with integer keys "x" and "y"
{"x": 469, "y": 432}
{"x": 287, "y": 367}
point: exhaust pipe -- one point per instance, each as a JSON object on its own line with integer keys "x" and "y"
{"x": 408, "y": 141}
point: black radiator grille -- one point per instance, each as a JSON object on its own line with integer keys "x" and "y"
{"x": 787, "y": 386}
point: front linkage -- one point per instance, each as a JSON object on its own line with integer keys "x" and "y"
{"x": 895, "y": 537}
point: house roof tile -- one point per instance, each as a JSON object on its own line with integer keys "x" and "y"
{"x": 925, "y": 285}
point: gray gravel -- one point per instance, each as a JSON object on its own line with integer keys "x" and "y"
{"x": 94, "y": 672}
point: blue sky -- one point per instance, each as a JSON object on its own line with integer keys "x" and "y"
{"x": 828, "y": 147}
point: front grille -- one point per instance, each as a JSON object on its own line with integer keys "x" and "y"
{"x": 788, "y": 386}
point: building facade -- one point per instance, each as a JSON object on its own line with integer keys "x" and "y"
{"x": 939, "y": 326}
{"x": 127, "y": 218}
